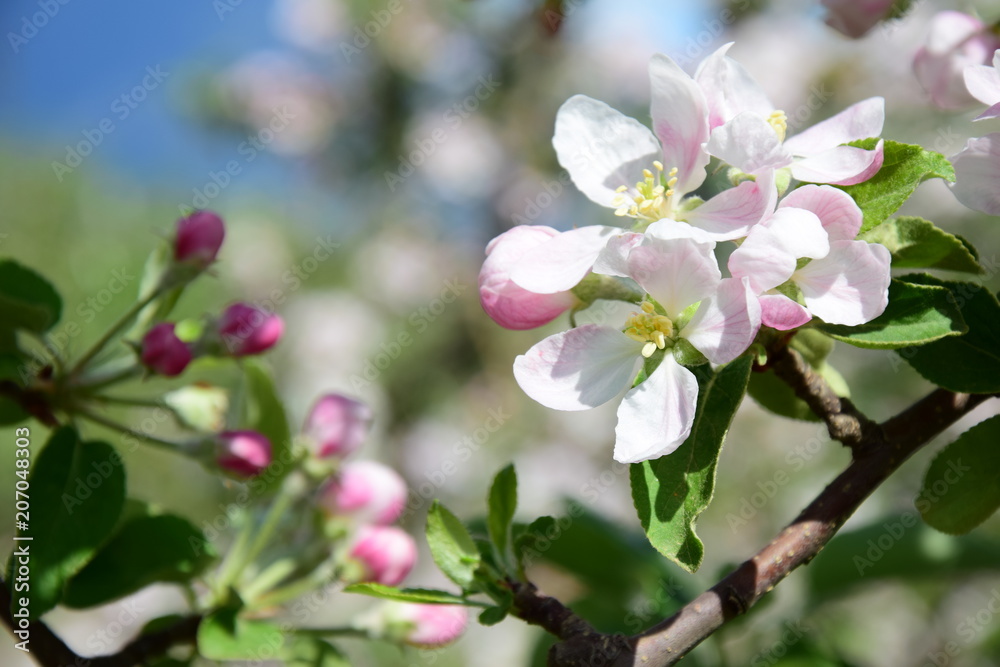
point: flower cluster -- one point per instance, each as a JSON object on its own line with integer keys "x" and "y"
{"x": 796, "y": 257}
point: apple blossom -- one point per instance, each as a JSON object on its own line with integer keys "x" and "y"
{"x": 365, "y": 491}
{"x": 956, "y": 41}
{"x": 198, "y": 239}
{"x": 976, "y": 169}
{"x": 983, "y": 83}
{"x": 163, "y": 352}
{"x": 425, "y": 625}
{"x": 247, "y": 330}
{"x": 691, "y": 311}
{"x": 336, "y": 426}
{"x": 243, "y": 453}
{"x": 385, "y": 553}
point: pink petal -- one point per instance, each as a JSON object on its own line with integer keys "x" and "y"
{"x": 779, "y": 312}
{"x": 613, "y": 260}
{"x": 850, "y": 285}
{"x": 992, "y": 112}
{"x": 749, "y": 143}
{"x": 843, "y": 165}
{"x": 983, "y": 82}
{"x": 563, "y": 261}
{"x": 655, "y": 418}
{"x": 729, "y": 89}
{"x": 602, "y": 148}
{"x": 977, "y": 174}
{"x": 680, "y": 121}
{"x": 858, "y": 121}
{"x": 956, "y": 41}
{"x": 579, "y": 369}
{"x": 731, "y": 213}
{"x": 677, "y": 272}
{"x": 839, "y": 213}
{"x": 726, "y": 323}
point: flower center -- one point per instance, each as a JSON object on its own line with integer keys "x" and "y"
{"x": 649, "y": 328}
{"x": 653, "y": 198}
{"x": 779, "y": 121}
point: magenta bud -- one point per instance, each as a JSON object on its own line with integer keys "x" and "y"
{"x": 199, "y": 237}
{"x": 247, "y": 330}
{"x": 386, "y": 553}
{"x": 243, "y": 453}
{"x": 365, "y": 491}
{"x": 431, "y": 625}
{"x": 163, "y": 352}
{"x": 337, "y": 425}
{"x": 508, "y": 304}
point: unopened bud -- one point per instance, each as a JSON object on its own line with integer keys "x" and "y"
{"x": 163, "y": 352}
{"x": 366, "y": 492}
{"x": 385, "y": 553}
{"x": 247, "y": 330}
{"x": 337, "y": 425}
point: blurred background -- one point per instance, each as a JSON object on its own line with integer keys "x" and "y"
{"x": 362, "y": 155}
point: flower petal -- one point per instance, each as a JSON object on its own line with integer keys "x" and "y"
{"x": 748, "y": 142}
{"x": 983, "y": 83}
{"x": 656, "y": 417}
{"x": 563, "y": 261}
{"x": 858, "y": 121}
{"x": 779, "y": 312}
{"x": 731, "y": 213}
{"x": 680, "y": 121}
{"x": 676, "y": 272}
{"x": 613, "y": 260}
{"x": 843, "y": 165}
{"x": 799, "y": 232}
{"x": 992, "y": 112}
{"x": 850, "y": 285}
{"x": 667, "y": 229}
{"x": 977, "y": 169}
{"x": 579, "y": 369}
{"x": 762, "y": 261}
{"x": 729, "y": 88}
{"x": 726, "y": 323}
{"x": 602, "y": 148}
{"x": 837, "y": 210}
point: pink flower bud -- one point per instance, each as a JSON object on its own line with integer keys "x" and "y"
{"x": 433, "y": 625}
{"x": 337, "y": 425}
{"x": 245, "y": 453}
{"x": 386, "y": 553}
{"x": 163, "y": 352}
{"x": 366, "y": 491}
{"x": 199, "y": 237}
{"x": 508, "y": 304}
{"x": 246, "y": 329}
{"x": 956, "y": 41}
{"x": 854, "y": 18}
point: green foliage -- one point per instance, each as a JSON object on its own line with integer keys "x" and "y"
{"x": 452, "y": 546}
{"x": 313, "y": 652}
{"x": 917, "y": 314}
{"x": 502, "y": 504}
{"x": 265, "y": 411}
{"x": 144, "y": 551}
{"x": 670, "y": 492}
{"x": 78, "y": 492}
{"x": 493, "y": 615}
{"x": 27, "y": 300}
{"x": 416, "y": 595}
{"x": 962, "y": 486}
{"x": 968, "y": 363}
{"x": 916, "y": 243}
{"x": 905, "y": 167}
{"x": 225, "y": 635}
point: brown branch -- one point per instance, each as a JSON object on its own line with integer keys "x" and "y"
{"x": 44, "y": 646}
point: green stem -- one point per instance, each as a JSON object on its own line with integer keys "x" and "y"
{"x": 271, "y": 520}
{"x": 110, "y": 379}
{"x": 122, "y": 322}
{"x": 232, "y": 563}
{"x": 341, "y": 631}
{"x": 109, "y": 423}
{"x": 318, "y": 577}
{"x": 267, "y": 579}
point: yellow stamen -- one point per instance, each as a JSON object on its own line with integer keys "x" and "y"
{"x": 779, "y": 121}
{"x": 652, "y": 200}
{"x": 649, "y": 328}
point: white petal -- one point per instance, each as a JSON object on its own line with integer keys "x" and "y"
{"x": 858, "y": 121}
{"x": 729, "y": 88}
{"x": 656, "y": 417}
{"x": 563, "y": 261}
{"x": 799, "y": 232}
{"x": 602, "y": 148}
{"x": 843, "y": 165}
{"x": 613, "y": 260}
{"x": 677, "y": 272}
{"x": 680, "y": 121}
{"x": 748, "y": 142}
{"x": 726, "y": 323}
{"x": 977, "y": 174}
{"x": 983, "y": 83}
{"x": 850, "y": 285}
{"x": 731, "y": 213}
{"x": 579, "y": 369}
{"x": 762, "y": 261}
{"x": 667, "y": 229}
{"x": 837, "y": 210}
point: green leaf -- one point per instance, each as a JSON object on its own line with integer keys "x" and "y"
{"x": 670, "y": 492}
{"x": 11, "y": 368}
{"x": 962, "y": 486}
{"x": 146, "y": 550}
{"x": 905, "y": 167}
{"x": 313, "y": 652}
{"x": 265, "y": 411}
{"x": 77, "y": 492}
{"x": 916, "y": 243}
{"x": 417, "y": 595}
{"x": 451, "y": 546}
{"x": 916, "y": 315}
{"x": 969, "y": 363}
{"x": 27, "y": 300}
{"x": 493, "y": 615}
{"x": 224, "y": 635}
{"x": 502, "y": 504}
